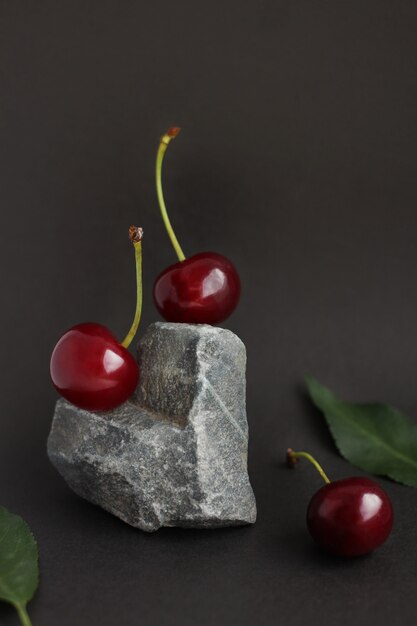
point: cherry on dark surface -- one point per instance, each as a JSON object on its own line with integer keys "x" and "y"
{"x": 89, "y": 366}
{"x": 202, "y": 289}
{"x": 348, "y": 517}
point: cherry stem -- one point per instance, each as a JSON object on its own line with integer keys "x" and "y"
{"x": 292, "y": 460}
{"x": 163, "y": 145}
{"x": 135, "y": 235}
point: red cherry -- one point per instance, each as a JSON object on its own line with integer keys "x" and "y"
{"x": 347, "y": 517}
{"x": 350, "y": 517}
{"x": 91, "y": 369}
{"x": 203, "y": 289}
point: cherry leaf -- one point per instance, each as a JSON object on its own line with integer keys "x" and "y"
{"x": 376, "y": 438}
{"x": 19, "y": 572}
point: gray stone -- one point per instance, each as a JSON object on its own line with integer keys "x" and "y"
{"x": 176, "y": 454}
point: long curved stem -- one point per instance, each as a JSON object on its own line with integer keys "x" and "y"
{"x": 163, "y": 145}
{"x": 292, "y": 458}
{"x": 135, "y": 235}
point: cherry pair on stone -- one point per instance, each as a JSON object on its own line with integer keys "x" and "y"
{"x": 91, "y": 369}
{"x": 348, "y": 517}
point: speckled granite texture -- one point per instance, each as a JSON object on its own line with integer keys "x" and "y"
{"x": 176, "y": 453}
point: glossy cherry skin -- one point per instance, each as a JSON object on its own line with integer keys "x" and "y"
{"x": 91, "y": 369}
{"x": 350, "y": 517}
{"x": 203, "y": 289}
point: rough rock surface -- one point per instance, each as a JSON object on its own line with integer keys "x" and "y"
{"x": 176, "y": 454}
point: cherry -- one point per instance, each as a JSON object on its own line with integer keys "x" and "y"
{"x": 89, "y": 367}
{"x": 348, "y": 517}
{"x": 203, "y": 289}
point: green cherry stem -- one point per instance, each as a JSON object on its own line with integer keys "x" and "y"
{"x": 163, "y": 145}
{"x": 135, "y": 236}
{"x": 292, "y": 460}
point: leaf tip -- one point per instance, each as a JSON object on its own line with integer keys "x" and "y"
{"x": 308, "y": 378}
{"x": 311, "y": 383}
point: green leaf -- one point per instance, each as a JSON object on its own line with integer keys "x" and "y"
{"x": 374, "y": 437}
{"x": 19, "y": 572}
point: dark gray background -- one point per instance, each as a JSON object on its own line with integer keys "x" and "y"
{"x": 298, "y": 160}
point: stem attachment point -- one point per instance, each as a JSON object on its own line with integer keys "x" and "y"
{"x": 135, "y": 234}
{"x": 173, "y": 131}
